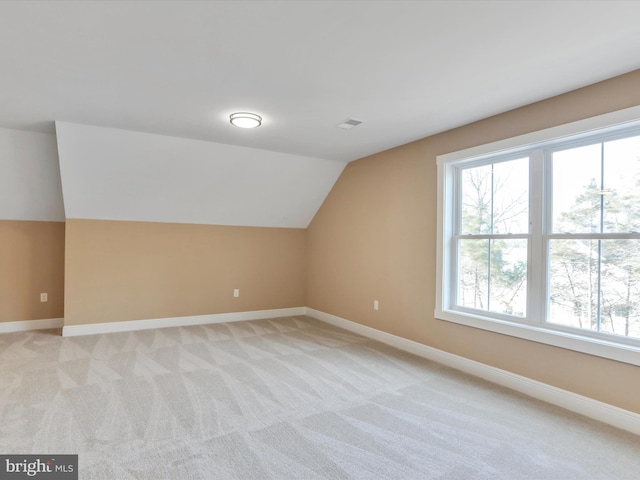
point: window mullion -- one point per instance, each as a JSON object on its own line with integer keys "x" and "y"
{"x": 602, "y": 187}
{"x": 537, "y": 261}
{"x": 454, "y": 261}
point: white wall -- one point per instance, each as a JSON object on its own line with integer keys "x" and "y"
{"x": 110, "y": 174}
{"x": 29, "y": 177}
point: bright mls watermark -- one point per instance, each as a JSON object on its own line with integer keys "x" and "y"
{"x": 49, "y": 467}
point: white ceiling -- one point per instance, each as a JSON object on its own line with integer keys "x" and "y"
{"x": 406, "y": 69}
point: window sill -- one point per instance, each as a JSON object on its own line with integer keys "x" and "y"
{"x": 593, "y": 346}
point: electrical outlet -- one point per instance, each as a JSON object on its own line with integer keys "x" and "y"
{"x": 236, "y": 292}
{"x": 44, "y": 297}
{"x": 376, "y": 305}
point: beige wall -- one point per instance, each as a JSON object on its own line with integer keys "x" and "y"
{"x": 375, "y": 238}
{"x": 118, "y": 271}
{"x": 31, "y": 263}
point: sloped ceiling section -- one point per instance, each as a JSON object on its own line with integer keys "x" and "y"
{"x": 29, "y": 177}
{"x": 110, "y": 174}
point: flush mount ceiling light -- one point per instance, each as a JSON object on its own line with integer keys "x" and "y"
{"x": 245, "y": 120}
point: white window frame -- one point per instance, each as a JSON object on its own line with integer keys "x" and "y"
{"x": 533, "y": 327}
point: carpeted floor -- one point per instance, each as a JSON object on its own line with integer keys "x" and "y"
{"x": 287, "y": 398}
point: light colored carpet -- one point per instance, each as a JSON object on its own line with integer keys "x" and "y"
{"x": 287, "y": 398}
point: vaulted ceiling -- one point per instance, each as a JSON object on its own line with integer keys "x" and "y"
{"x": 406, "y": 69}
{"x": 110, "y": 174}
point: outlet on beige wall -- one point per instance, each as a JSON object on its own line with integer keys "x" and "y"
{"x": 32, "y": 273}
{"x": 119, "y": 271}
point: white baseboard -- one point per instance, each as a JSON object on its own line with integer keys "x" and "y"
{"x": 112, "y": 327}
{"x": 26, "y": 325}
{"x": 586, "y": 406}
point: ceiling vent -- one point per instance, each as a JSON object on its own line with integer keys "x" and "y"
{"x": 349, "y": 123}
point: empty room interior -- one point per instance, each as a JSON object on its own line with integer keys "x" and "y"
{"x": 321, "y": 239}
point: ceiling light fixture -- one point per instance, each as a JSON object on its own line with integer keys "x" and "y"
{"x": 245, "y": 120}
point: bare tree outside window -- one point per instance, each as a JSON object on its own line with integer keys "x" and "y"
{"x": 493, "y": 268}
{"x": 594, "y": 281}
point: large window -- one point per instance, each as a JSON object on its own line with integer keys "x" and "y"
{"x": 539, "y": 237}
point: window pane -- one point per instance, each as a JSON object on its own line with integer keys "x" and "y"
{"x": 576, "y": 186}
{"x": 620, "y": 290}
{"x": 495, "y": 198}
{"x": 593, "y": 188}
{"x": 493, "y": 275}
{"x": 511, "y": 196}
{"x": 476, "y": 199}
{"x": 508, "y": 285}
{"x": 621, "y": 180}
{"x": 473, "y": 274}
{"x": 594, "y": 285}
{"x": 574, "y": 283}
